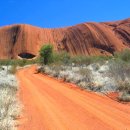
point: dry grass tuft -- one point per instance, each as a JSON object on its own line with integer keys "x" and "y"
{"x": 10, "y": 106}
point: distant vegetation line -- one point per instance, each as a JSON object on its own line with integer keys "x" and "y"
{"x": 65, "y": 58}
{"x": 96, "y": 73}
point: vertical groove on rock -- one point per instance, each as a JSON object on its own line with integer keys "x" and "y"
{"x": 87, "y": 38}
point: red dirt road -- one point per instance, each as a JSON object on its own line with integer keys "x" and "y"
{"x": 50, "y": 104}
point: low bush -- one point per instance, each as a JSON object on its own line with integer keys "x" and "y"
{"x": 118, "y": 69}
{"x": 79, "y": 59}
{"x": 124, "y": 86}
{"x": 125, "y": 97}
{"x": 124, "y": 55}
{"x": 12, "y": 69}
{"x": 60, "y": 57}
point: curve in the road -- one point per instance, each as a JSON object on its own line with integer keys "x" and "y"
{"x": 50, "y": 104}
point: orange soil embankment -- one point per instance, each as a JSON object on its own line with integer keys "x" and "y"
{"x": 50, "y": 104}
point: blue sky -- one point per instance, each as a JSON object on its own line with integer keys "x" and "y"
{"x": 60, "y": 13}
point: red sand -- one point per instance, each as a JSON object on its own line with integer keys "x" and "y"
{"x": 50, "y": 104}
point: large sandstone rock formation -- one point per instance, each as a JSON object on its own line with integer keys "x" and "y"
{"x": 87, "y": 38}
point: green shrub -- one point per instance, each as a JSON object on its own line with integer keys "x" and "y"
{"x": 87, "y": 60}
{"x": 79, "y": 59}
{"x": 61, "y": 57}
{"x": 101, "y": 58}
{"x": 46, "y": 53}
{"x": 124, "y": 55}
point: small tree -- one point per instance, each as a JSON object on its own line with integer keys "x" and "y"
{"x": 46, "y": 53}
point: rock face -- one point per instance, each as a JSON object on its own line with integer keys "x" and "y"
{"x": 87, "y": 39}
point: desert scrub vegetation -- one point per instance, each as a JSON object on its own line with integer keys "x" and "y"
{"x": 99, "y": 77}
{"x": 10, "y": 106}
{"x": 49, "y": 56}
{"x": 18, "y": 62}
{"x": 124, "y": 87}
{"x": 96, "y": 73}
{"x": 125, "y": 97}
{"x": 124, "y": 55}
